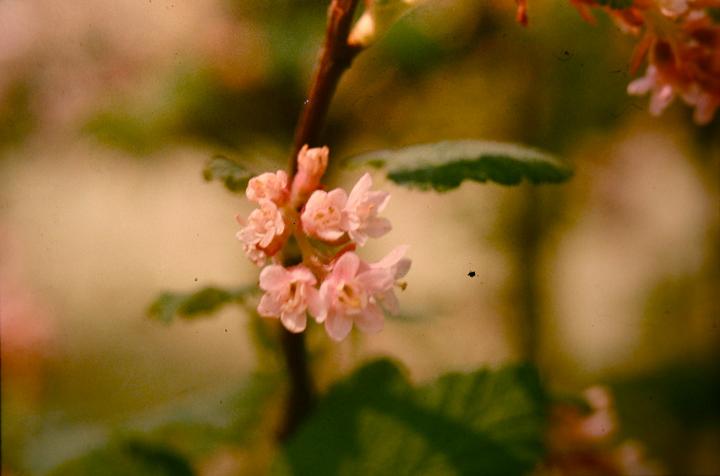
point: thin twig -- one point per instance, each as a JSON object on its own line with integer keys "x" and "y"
{"x": 335, "y": 58}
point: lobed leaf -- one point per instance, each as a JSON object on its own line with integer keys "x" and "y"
{"x": 445, "y": 165}
{"x": 375, "y": 422}
{"x": 234, "y": 175}
{"x": 198, "y": 304}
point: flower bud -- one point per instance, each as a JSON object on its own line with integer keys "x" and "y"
{"x": 311, "y": 167}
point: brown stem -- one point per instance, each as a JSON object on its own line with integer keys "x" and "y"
{"x": 335, "y": 58}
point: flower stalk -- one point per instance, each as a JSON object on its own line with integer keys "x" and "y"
{"x": 336, "y": 57}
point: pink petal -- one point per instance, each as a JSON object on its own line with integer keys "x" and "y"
{"x": 338, "y": 326}
{"x": 302, "y": 274}
{"x": 377, "y": 227}
{"x": 371, "y": 320}
{"x": 274, "y": 278}
{"x": 359, "y": 190}
{"x": 390, "y": 302}
{"x": 316, "y": 305}
{"x": 346, "y": 267}
{"x": 294, "y": 322}
{"x": 358, "y": 237}
{"x": 269, "y": 306}
{"x": 337, "y": 198}
{"x": 378, "y": 199}
{"x": 402, "y": 268}
{"x": 392, "y": 258}
{"x": 330, "y": 235}
{"x": 317, "y": 198}
{"x": 375, "y": 280}
{"x": 660, "y": 99}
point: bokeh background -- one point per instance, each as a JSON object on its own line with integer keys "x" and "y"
{"x": 108, "y": 111}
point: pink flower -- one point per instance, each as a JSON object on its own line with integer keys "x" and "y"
{"x": 661, "y": 92}
{"x": 361, "y": 210}
{"x": 323, "y": 216}
{"x": 268, "y": 186}
{"x": 289, "y": 294}
{"x": 348, "y": 296}
{"x": 601, "y": 423}
{"x": 311, "y": 167}
{"x": 397, "y": 266}
{"x": 264, "y": 233}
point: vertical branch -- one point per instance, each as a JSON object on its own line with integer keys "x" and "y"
{"x": 529, "y": 229}
{"x": 335, "y": 58}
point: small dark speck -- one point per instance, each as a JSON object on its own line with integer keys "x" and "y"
{"x": 225, "y": 330}
{"x": 564, "y": 56}
{"x": 471, "y": 274}
{"x": 195, "y": 280}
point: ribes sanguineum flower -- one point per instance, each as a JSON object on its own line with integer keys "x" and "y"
{"x": 361, "y": 211}
{"x": 661, "y": 91}
{"x": 268, "y": 186}
{"x": 311, "y": 167}
{"x": 324, "y": 215}
{"x": 347, "y": 296}
{"x": 329, "y": 215}
{"x": 289, "y": 294}
{"x": 332, "y": 284}
{"x": 264, "y": 232}
{"x": 397, "y": 266}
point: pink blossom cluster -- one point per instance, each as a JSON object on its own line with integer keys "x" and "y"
{"x": 581, "y": 442}
{"x": 332, "y": 283}
{"x": 681, "y": 41}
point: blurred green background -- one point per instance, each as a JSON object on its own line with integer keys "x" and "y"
{"x": 108, "y": 111}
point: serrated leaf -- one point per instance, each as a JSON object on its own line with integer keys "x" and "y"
{"x": 198, "y": 304}
{"x": 125, "y": 458}
{"x": 375, "y": 422}
{"x": 445, "y": 165}
{"x": 233, "y": 175}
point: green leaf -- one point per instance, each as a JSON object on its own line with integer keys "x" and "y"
{"x": 198, "y": 304}
{"x": 375, "y": 422}
{"x": 445, "y": 165}
{"x": 234, "y": 175}
{"x": 126, "y": 458}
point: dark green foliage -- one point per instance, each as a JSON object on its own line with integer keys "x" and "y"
{"x": 445, "y": 165}
{"x": 127, "y": 458}
{"x": 375, "y": 422}
{"x": 714, "y": 13}
{"x": 166, "y": 441}
{"x": 213, "y": 421}
{"x": 409, "y": 49}
{"x": 198, "y": 304}
{"x": 234, "y": 175}
{"x": 679, "y": 399}
{"x": 616, "y": 4}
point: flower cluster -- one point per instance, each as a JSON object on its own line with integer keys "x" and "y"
{"x": 681, "y": 41}
{"x": 581, "y": 442}
{"x": 331, "y": 283}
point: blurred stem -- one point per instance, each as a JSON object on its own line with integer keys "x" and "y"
{"x": 529, "y": 231}
{"x": 335, "y": 58}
